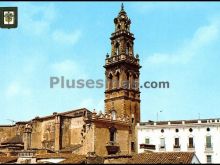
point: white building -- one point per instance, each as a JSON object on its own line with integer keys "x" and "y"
{"x": 199, "y": 136}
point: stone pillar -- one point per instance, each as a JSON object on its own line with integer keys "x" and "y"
{"x": 27, "y": 137}
{"x": 57, "y": 133}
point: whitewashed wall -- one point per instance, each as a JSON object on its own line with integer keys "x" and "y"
{"x": 199, "y": 133}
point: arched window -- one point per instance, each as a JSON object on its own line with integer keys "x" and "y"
{"x": 119, "y": 26}
{"x": 135, "y": 82}
{"x": 118, "y": 79}
{"x": 128, "y": 80}
{"x": 126, "y": 27}
{"x": 132, "y": 118}
{"x": 112, "y": 132}
{"x": 110, "y": 81}
{"x": 117, "y": 48}
{"x": 127, "y": 48}
{"x": 113, "y": 115}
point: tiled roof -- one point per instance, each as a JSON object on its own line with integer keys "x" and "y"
{"x": 71, "y": 148}
{"x": 72, "y": 113}
{"x": 162, "y": 158}
{"x": 69, "y": 158}
{"x": 7, "y": 159}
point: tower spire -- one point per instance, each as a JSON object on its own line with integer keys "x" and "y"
{"x": 122, "y": 7}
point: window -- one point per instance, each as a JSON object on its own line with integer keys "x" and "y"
{"x": 118, "y": 78}
{"x": 191, "y": 144}
{"x": 112, "y": 131}
{"x": 132, "y": 118}
{"x": 162, "y": 142}
{"x": 132, "y": 146}
{"x": 119, "y": 27}
{"x": 176, "y": 143}
{"x": 190, "y": 130}
{"x": 117, "y": 48}
{"x": 208, "y": 142}
{"x": 209, "y": 158}
{"x": 127, "y": 49}
{"x": 113, "y": 115}
{"x": 162, "y": 131}
{"x": 177, "y": 130}
{"x": 110, "y": 81}
{"x": 147, "y": 141}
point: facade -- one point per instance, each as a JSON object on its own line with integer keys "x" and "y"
{"x": 78, "y": 131}
{"x": 199, "y": 136}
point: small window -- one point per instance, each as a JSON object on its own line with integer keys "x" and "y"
{"x": 119, "y": 26}
{"x": 132, "y": 146}
{"x": 117, "y": 48}
{"x": 132, "y": 120}
{"x": 162, "y": 130}
{"x": 177, "y": 130}
{"x": 208, "y": 129}
{"x": 113, "y": 115}
{"x": 112, "y": 131}
{"x": 209, "y": 158}
{"x": 147, "y": 141}
{"x": 110, "y": 81}
{"x": 118, "y": 80}
{"x": 208, "y": 142}
{"x": 190, "y": 130}
{"x": 177, "y": 142}
{"x": 191, "y": 143}
{"x": 162, "y": 142}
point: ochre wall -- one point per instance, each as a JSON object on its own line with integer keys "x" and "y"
{"x": 6, "y": 132}
{"x": 102, "y": 137}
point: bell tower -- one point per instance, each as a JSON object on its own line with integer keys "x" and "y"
{"x": 122, "y": 95}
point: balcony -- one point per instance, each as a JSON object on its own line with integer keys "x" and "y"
{"x": 176, "y": 147}
{"x": 191, "y": 147}
{"x": 208, "y": 147}
{"x": 162, "y": 148}
{"x": 147, "y": 146}
{"x": 112, "y": 147}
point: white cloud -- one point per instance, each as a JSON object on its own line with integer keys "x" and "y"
{"x": 16, "y": 89}
{"x": 203, "y": 36}
{"x": 68, "y": 68}
{"x": 66, "y": 38}
{"x": 36, "y": 20}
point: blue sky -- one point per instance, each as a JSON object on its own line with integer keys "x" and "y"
{"x": 176, "y": 41}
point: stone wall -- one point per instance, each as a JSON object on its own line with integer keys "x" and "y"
{"x": 102, "y": 137}
{"x": 6, "y": 132}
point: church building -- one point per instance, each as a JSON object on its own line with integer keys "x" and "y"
{"x": 83, "y": 131}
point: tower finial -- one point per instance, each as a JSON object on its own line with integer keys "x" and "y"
{"x": 122, "y": 6}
